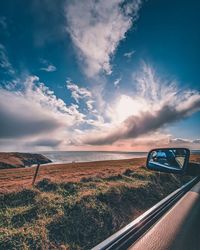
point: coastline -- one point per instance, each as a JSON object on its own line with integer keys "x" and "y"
{"x": 88, "y": 156}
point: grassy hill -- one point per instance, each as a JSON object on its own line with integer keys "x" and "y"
{"x": 19, "y": 160}
{"x": 79, "y": 214}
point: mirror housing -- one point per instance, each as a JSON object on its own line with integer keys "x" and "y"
{"x": 169, "y": 160}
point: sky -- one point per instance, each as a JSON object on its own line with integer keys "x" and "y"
{"x": 99, "y": 75}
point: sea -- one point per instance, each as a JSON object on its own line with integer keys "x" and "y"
{"x": 89, "y": 156}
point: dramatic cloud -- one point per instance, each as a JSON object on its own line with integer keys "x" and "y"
{"x": 33, "y": 110}
{"x": 97, "y": 27}
{"x": 163, "y": 104}
{"x": 20, "y": 118}
{"x": 33, "y": 117}
{"x": 145, "y": 123}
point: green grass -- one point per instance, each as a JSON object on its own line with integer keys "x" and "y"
{"x": 79, "y": 215}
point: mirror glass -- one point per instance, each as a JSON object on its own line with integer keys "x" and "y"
{"x": 167, "y": 159}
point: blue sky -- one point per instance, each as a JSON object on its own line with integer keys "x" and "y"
{"x": 99, "y": 75}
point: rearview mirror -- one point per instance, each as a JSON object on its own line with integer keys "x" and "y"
{"x": 169, "y": 160}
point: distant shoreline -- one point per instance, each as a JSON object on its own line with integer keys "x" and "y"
{"x": 90, "y": 156}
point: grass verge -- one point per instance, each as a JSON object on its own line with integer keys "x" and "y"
{"x": 78, "y": 215}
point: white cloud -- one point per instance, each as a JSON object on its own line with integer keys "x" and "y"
{"x": 34, "y": 118}
{"x": 20, "y": 117}
{"x": 180, "y": 141}
{"x": 196, "y": 141}
{"x": 158, "y": 139}
{"x": 177, "y": 141}
{"x": 129, "y": 54}
{"x": 38, "y": 92}
{"x": 117, "y": 81}
{"x": 78, "y": 92}
{"x": 34, "y": 110}
{"x": 162, "y": 103}
{"x": 96, "y": 28}
{"x": 89, "y": 104}
{"x": 183, "y": 142}
{"x": 48, "y": 67}
{"x": 4, "y": 61}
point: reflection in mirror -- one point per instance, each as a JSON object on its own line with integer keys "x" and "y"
{"x": 171, "y": 159}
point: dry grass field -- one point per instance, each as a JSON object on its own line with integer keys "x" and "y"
{"x": 77, "y": 205}
{"x": 19, "y": 178}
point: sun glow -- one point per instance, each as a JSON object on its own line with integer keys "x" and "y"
{"x": 128, "y": 106}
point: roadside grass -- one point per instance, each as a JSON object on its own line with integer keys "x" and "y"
{"x": 79, "y": 215}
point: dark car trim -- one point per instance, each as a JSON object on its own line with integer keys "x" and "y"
{"x": 125, "y": 237}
